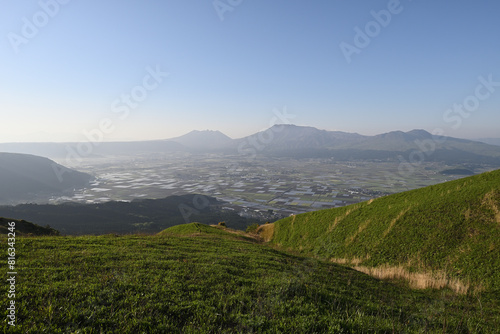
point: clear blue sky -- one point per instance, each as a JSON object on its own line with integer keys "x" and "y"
{"x": 70, "y": 74}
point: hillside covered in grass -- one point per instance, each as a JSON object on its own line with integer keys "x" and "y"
{"x": 202, "y": 279}
{"x": 451, "y": 230}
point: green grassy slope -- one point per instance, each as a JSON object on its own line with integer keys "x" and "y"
{"x": 452, "y": 227}
{"x": 196, "y": 229}
{"x": 215, "y": 283}
{"x": 193, "y": 229}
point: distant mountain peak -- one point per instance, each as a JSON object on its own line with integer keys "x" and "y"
{"x": 206, "y": 132}
{"x": 202, "y": 133}
{"x": 204, "y": 139}
{"x": 420, "y": 133}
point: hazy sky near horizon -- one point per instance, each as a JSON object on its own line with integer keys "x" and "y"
{"x": 138, "y": 70}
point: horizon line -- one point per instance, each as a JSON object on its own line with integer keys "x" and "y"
{"x": 237, "y": 138}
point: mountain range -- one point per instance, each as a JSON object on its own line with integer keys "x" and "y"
{"x": 290, "y": 141}
{"x": 309, "y": 142}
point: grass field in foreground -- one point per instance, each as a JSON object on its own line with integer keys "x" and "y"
{"x": 191, "y": 281}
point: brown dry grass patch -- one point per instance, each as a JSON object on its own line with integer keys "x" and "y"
{"x": 419, "y": 280}
{"x": 352, "y": 261}
{"x": 489, "y": 200}
{"x": 266, "y": 232}
{"x": 361, "y": 228}
{"x": 391, "y": 224}
{"x": 338, "y": 219}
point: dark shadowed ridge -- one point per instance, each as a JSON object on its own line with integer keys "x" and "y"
{"x": 22, "y": 227}
{"x": 140, "y": 215}
{"x": 24, "y": 176}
